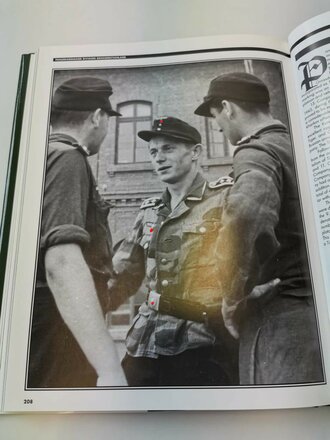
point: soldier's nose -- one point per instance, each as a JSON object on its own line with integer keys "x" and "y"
{"x": 160, "y": 157}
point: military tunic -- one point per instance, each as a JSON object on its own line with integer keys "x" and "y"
{"x": 264, "y": 239}
{"x": 73, "y": 212}
{"x": 179, "y": 263}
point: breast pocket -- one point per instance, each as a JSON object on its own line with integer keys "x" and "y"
{"x": 199, "y": 275}
{"x": 198, "y": 243}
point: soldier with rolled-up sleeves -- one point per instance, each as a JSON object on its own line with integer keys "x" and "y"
{"x": 70, "y": 344}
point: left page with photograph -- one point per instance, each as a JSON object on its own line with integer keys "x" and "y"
{"x": 120, "y": 249}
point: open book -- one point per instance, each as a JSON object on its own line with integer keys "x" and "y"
{"x": 157, "y": 81}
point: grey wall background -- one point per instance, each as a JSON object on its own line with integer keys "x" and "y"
{"x": 26, "y": 25}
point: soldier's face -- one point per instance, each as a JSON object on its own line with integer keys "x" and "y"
{"x": 171, "y": 159}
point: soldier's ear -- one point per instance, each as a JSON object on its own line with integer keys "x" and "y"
{"x": 228, "y": 108}
{"x": 197, "y": 150}
{"x": 96, "y": 117}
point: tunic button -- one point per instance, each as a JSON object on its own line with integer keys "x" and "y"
{"x": 164, "y": 283}
{"x": 202, "y": 229}
{"x": 163, "y": 260}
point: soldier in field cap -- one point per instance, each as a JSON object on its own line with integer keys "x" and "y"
{"x": 84, "y": 93}
{"x": 262, "y": 239}
{"x": 178, "y": 337}
{"x": 70, "y": 344}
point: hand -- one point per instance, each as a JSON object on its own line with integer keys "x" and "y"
{"x": 113, "y": 280}
{"x": 116, "y": 378}
{"x": 228, "y": 311}
{"x": 228, "y": 308}
{"x": 262, "y": 289}
{"x": 111, "y": 283}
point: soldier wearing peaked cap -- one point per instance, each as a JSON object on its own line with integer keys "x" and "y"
{"x": 70, "y": 344}
{"x": 263, "y": 234}
{"x": 178, "y": 337}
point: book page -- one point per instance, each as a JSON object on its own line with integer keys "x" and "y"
{"x": 310, "y": 48}
{"x": 153, "y": 81}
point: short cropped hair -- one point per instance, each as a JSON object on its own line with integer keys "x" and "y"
{"x": 72, "y": 118}
{"x": 247, "y": 106}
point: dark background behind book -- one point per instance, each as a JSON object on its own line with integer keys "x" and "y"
{"x": 24, "y": 26}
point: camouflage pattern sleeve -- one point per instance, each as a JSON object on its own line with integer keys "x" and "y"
{"x": 128, "y": 265}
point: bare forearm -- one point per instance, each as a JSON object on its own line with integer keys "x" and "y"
{"x": 71, "y": 283}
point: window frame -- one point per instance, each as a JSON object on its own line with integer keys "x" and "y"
{"x": 134, "y": 119}
{"x": 226, "y": 149}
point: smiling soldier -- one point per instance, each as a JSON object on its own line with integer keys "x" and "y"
{"x": 178, "y": 337}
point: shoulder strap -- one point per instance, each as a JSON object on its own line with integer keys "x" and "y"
{"x": 152, "y": 202}
{"x": 221, "y": 182}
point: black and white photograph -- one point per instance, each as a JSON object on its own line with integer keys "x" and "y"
{"x": 172, "y": 247}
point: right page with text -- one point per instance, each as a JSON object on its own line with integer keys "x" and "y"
{"x": 310, "y": 50}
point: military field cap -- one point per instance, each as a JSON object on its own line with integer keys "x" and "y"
{"x": 172, "y": 127}
{"x": 239, "y": 86}
{"x": 84, "y": 93}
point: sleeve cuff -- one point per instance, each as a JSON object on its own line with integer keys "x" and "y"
{"x": 65, "y": 234}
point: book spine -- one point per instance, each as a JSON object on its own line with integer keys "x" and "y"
{"x": 7, "y": 206}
